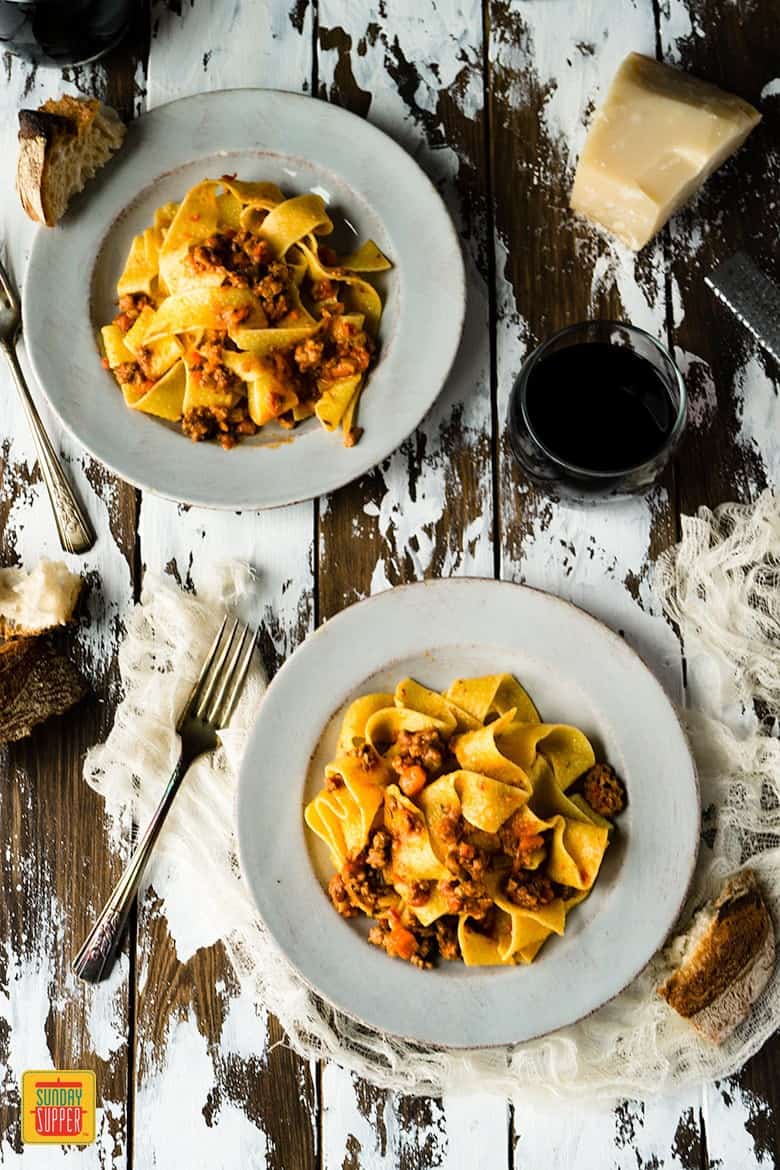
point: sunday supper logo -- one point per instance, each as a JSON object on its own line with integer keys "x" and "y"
{"x": 58, "y": 1107}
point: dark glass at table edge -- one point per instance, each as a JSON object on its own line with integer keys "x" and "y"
{"x": 61, "y": 33}
{"x": 576, "y": 485}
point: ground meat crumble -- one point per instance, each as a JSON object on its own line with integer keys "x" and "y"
{"x": 131, "y": 306}
{"x": 604, "y": 791}
{"x": 518, "y": 841}
{"x": 358, "y": 886}
{"x": 419, "y": 945}
{"x": 226, "y": 424}
{"x": 245, "y": 260}
{"x": 421, "y": 757}
{"x": 529, "y": 890}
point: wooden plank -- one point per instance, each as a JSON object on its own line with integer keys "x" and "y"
{"x": 247, "y": 1099}
{"x": 550, "y": 65}
{"x": 732, "y": 450}
{"x": 61, "y": 858}
{"x": 416, "y": 70}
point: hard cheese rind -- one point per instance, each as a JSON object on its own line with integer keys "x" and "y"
{"x": 658, "y": 136}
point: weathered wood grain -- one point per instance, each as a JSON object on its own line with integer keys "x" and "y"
{"x": 731, "y": 448}
{"x": 212, "y": 1088}
{"x": 417, "y": 72}
{"x": 59, "y": 858}
{"x": 427, "y": 510}
{"x": 550, "y": 65}
{"x": 214, "y": 1085}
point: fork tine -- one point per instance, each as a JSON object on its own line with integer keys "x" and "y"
{"x": 225, "y": 656}
{"x": 234, "y": 684}
{"x": 218, "y": 694}
{"x": 8, "y": 289}
{"x": 192, "y": 698}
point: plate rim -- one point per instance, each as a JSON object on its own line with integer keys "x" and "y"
{"x": 244, "y": 783}
{"x": 44, "y": 238}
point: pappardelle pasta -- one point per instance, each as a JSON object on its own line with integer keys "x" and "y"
{"x": 466, "y": 827}
{"x": 232, "y": 313}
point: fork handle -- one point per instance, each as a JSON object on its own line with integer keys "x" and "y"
{"x": 99, "y": 949}
{"x": 74, "y": 529}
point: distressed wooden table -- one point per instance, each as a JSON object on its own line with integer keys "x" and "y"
{"x": 493, "y": 100}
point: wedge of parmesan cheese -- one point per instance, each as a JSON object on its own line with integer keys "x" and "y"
{"x": 659, "y": 134}
{"x": 34, "y": 601}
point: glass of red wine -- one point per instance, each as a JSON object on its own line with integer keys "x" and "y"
{"x": 597, "y": 412}
{"x": 63, "y": 32}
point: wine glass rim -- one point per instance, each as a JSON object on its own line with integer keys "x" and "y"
{"x": 588, "y": 472}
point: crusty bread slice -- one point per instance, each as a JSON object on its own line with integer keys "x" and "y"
{"x": 35, "y": 682}
{"x": 61, "y": 146}
{"x": 727, "y": 957}
{"x": 34, "y": 601}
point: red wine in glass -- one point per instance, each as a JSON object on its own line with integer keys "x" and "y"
{"x": 596, "y": 412}
{"x": 62, "y": 32}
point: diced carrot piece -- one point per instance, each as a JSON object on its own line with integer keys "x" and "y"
{"x": 413, "y": 779}
{"x": 401, "y": 943}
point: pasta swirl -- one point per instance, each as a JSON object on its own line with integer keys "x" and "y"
{"x": 463, "y": 824}
{"x": 233, "y": 314}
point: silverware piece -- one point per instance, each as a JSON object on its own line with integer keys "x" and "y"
{"x": 209, "y": 707}
{"x": 753, "y": 298}
{"x": 75, "y": 531}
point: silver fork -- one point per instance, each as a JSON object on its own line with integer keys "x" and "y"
{"x": 209, "y": 707}
{"x": 75, "y": 531}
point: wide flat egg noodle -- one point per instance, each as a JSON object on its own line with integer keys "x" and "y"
{"x": 479, "y": 751}
{"x": 576, "y": 852}
{"x": 354, "y": 803}
{"x": 492, "y": 694}
{"x": 413, "y": 858}
{"x": 353, "y": 726}
{"x": 567, "y": 750}
{"x": 196, "y": 219}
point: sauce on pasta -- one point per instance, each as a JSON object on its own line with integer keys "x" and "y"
{"x": 233, "y": 313}
{"x": 461, "y": 823}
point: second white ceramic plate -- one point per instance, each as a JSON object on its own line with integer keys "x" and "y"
{"x": 372, "y": 188}
{"x": 577, "y": 671}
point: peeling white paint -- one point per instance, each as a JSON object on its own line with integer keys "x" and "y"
{"x": 702, "y": 395}
{"x": 597, "y": 1137}
{"x": 729, "y": 1110}
{"x": 759, "y": 411}
{"x": 35, "y": 991}
{"x": 184, "y": 1113}
{"x": 458, "y": 1132}
{"x": 575, "y": 50}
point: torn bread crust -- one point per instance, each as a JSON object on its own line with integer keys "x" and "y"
{"x": 61, "y": 146}
{"x": 36, "y": 134}
{"x": 728, "y": 958}
{"x": 36, "y": 682}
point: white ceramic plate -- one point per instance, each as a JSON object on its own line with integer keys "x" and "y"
{"x": 373, "y": 189}
{"x": 578, "y": 672}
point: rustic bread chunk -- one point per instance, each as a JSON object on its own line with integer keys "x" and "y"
{"x": 39, "y": 600}
{"x": 727, "y": 958}
{"x": 61, "y": 146}
{"x": 35, "y": 682}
